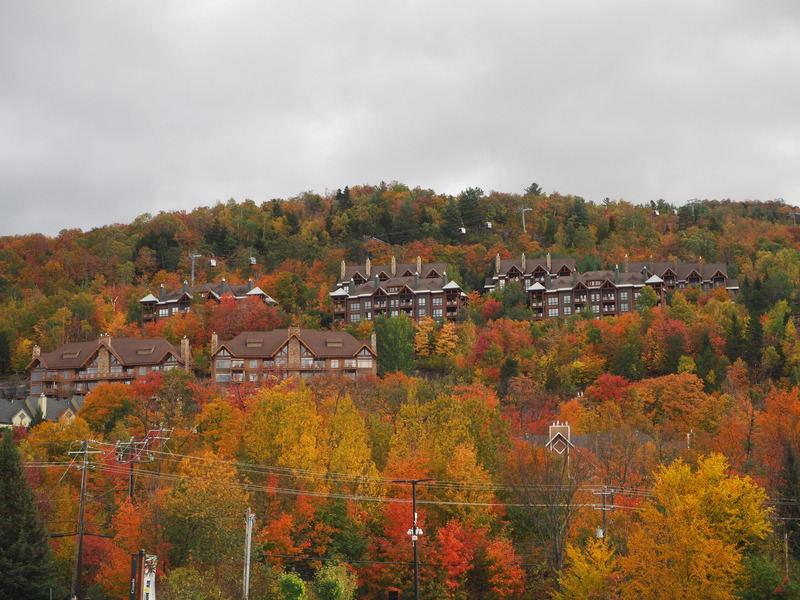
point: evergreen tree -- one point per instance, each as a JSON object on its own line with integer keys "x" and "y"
{"x": 451, "y": 221}
{"x": 5, "y": 352}
{"x": 755, "y": 340}
{"x": 405, "y": 224}
{"x": 469, "y": 204}
{"x": 395, "y": 339}
{"x": 735, "y": 342}
{"x": 26, "y": 564}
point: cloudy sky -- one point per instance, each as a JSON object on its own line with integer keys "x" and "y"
{"x": 110, "y": 109}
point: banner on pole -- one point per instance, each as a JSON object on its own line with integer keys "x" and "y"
{"x": 150, "y": 566}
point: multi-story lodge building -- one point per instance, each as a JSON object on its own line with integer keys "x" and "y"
{"x": 419, "y": 290}
{"x": 22, "y": 412}
{"x": 180, "y": 301}
{"x": 77, "y": 367}
{"x": 527, "y": 271}
{"x": 614, "y": 292}
{"x": 256, "y": 355}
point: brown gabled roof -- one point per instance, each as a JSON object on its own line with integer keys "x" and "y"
{"x": 428, "y": 269}
{"x": 75, "y": 355}
{"x": 323, "y": 344}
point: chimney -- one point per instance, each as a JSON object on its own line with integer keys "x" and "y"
{"x": 162, "y": 292}
{"x": 444, "y": 278}
{"x": 547, "y": 279}
{"x": 416, "y": 280}
{"x": 223, "y": 286}
{"x": 574, "y": 276}
{"x": 250, "y": 284}
{"x": 625, "y": 265}
{"x": 394, "y": 267}
{"x": 616, "y": 273}
{"x": 377, "y": 281}
{"x": 214, "y": 342}
{"x": 419, "y": 264}
{"x": 351, "y": 288}
{"x": 43, "y": 405}
{"x": 374, "y": 342}
{"x": 37, "y": 351}
{"x": 186, "y": 355}
{"x": 523, "y": 262}
{"x": 343, "y": 270}
{"x": 368, "y": 268}
{"x": 185, "y": 287}
{"x": 549, "y": 263}
{"x": 497, "y": 263}
{"x": 293, "y": 330}
{"x": 644, "y": 273}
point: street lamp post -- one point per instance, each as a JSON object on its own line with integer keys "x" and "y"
{"x": 415, "y": 531}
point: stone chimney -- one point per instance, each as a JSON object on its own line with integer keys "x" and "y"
{"x": 374, "y": 342}
{"x": 394, "y": 267}
{"x": 343, "y": 270}
{"x": 42, "y": 405}
{"x": 419, "y": 264}
{"x": 522, "y": 262}
{"x": 293, "y": 330}
{"x": 214, "y": 342}
{"x": 186, "y": 354}
{"x": 625, "y": 264}
{"x": 37, "y": 351}
{"x": 162, "y": 292}
{"x": 497, "y": 263}
{"x": 368, "y": 268}
{"x": 104, "y": 356}
{"x": 549, "y": 263}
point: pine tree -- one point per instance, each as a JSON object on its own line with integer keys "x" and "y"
{"x": 26, "y": 564}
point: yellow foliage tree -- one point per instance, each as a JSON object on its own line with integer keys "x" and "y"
{"x": 591, "y": 573}
{"x": 694, "y": 529}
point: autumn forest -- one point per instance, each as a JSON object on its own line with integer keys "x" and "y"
{"x": 680, "y": 478}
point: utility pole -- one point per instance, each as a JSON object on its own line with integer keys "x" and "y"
{"x": 192, "y": 257}
{"x": 606, "y": 492}
{"x": 77, "y": 575}
{"x": 415, "y": 531}
{"x": 133, "y": 452}
{"x": 523, "y": 210}
{"x": 249, "y": 520}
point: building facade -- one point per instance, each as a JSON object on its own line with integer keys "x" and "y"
{"x": 254, "y": 356}
{"x": 419, "y": 290}
{"x": 180, "y": 301}
{"x": 76, "y": 368}
{"x": 22, "y": 412}
{"x": 527, "y": 271}
{"x": 614, "y": 292}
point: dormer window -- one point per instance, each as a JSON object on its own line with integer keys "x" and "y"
{"x": 71, "y": 354}
{"x": 251, "y": 343}
{"x": 142, "y": 351}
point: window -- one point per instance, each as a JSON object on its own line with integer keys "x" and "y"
{"x": 367, "y": 304}
{"x": 394, "y": 302}
{"x": 355, "y": 306}
{"x": 567, "y": 310}
{"x": 163, "y": 312}
{"x": 422, "y": 312}
{"x": 66, "y": 374}
{"x": 437, "y": 313}
{"x": 252, "y": 343}
{"x": 566, "y": 299}
{"x": 349, "y": 363}
{"x": 355, "y": 317}
{"x": 623, "y": 307}
{"x": 552, "y": 312}
{"x": 364, "y": 363}
{"x": 223, "y": 377}
{"x": 437, "y": 301}
{"x": 334, "y": 363}
{"x": 552, "y": 301}
{"x": 223, "y": 363}
{"x": 146, "y": 350}
{"x": 142, "y": 371}
{"x": 594, "y": 297}
{"x": 422, "y": 301}
{"x": 237, "y": 363}
{"x": 253, "y": 363}
{"x": 623, "y": 295}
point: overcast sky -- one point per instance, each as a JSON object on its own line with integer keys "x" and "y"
{"x": 110, "y": 109}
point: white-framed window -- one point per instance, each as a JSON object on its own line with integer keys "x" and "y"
{"x": 594, "y": 297}
{"x": 355, "y": 317}
{"x": 422, "y": 301}
{"x": 163, "y": 312}
{"x": 437, "y": 301}
{"x": 223, "y": 363}
{"x": 334, "y": 363}
{"x": 367, "y": 304}
{"x": 552, "y": 301}
{"x": 623, "y": 295}
{"x": 394, "y": 302}
{"x": 364, "y": 363}
{"x": 567, "y": 310}
{"x": 596, "y": 308}
{"x": 566, "y": 299}
{"x": 223, "y": 377}
{"x": 253, "y": 363}
{"x": 349, "y": 363}
{"x": 355, "y": 306}
{"x": 437, "y": 312}
{"x": 552, "y": 312}
{"x": 422, "y": 312}
{"x": 624, "y": 307}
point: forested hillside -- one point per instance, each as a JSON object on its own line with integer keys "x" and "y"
{"x": 685, "y": 417}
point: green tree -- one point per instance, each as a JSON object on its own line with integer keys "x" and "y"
{"x": 451, "y": 221}
{"x": 395, "y": 339}
{"x": 334, "y": 582}
{"x": 469, "y": 204}
{"x": 292, "y": 587}
{"x": 647, "y": 299}
{"x": 26, "y": 563}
